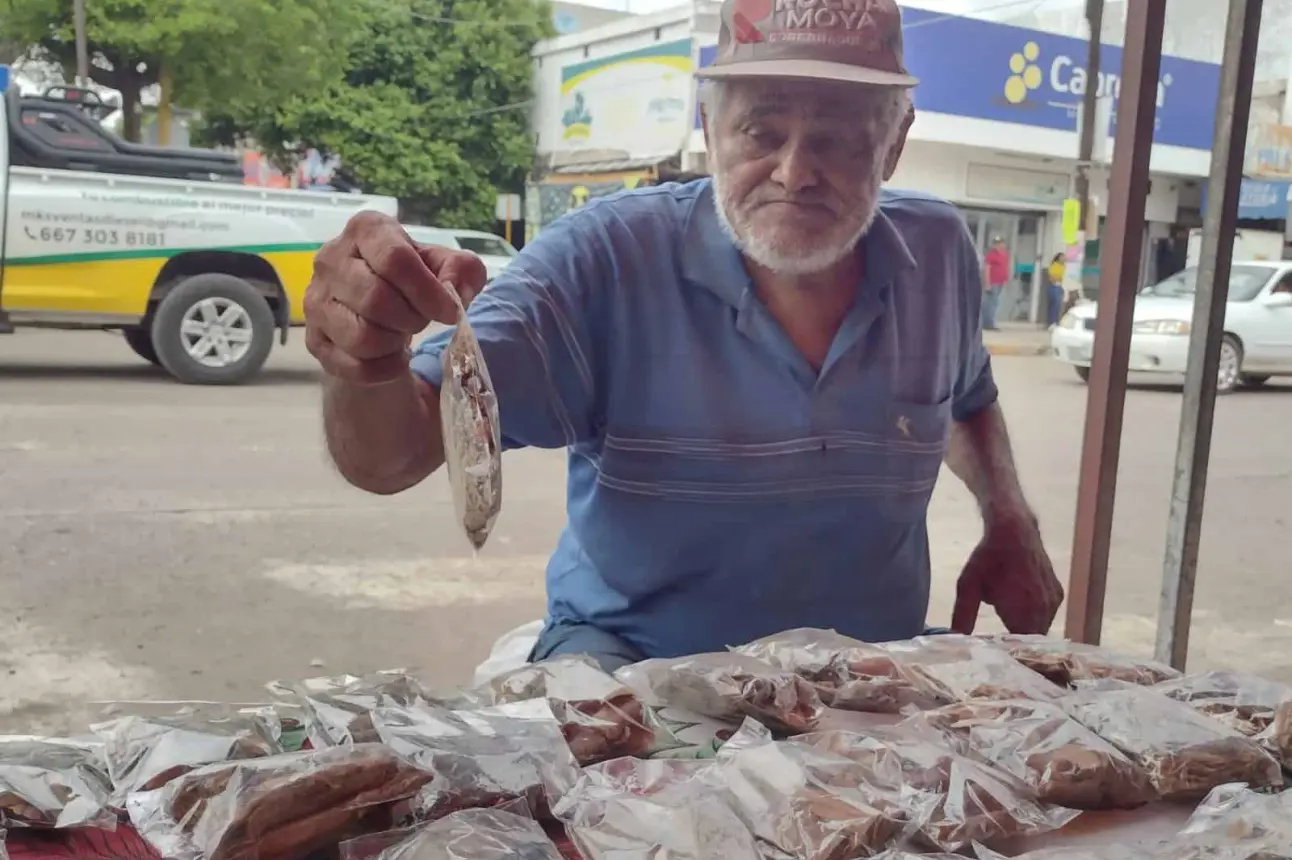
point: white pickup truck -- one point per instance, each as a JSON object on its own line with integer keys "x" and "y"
{"x": 168, "y": 246}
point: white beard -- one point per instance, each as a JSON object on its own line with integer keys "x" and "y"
{"x": 771, "y": 255}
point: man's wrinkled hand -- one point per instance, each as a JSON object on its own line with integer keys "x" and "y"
{"x": 1011, "y": 571}
{"x": 373, "y": 289}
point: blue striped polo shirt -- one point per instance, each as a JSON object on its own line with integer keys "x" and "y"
{"x": 720, "y": 489}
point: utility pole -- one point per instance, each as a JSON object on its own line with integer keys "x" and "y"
{"x": 1089, "y": 103}
{"x": 82, "y": 47}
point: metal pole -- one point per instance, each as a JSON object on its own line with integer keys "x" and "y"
{"x": 1089, "y": 101}
{"x": 1118, "y": 280}
{"x": 1193, "y": 449}
{"x": 82, "y": 48}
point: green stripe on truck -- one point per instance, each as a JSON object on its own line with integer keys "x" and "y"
{"x": 160, "y": 253}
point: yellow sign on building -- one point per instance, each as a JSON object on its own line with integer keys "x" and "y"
{"x": 1071, "y": 220}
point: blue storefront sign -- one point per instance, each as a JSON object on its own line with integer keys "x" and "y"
{"x": 991, "y": 71}
{"x": 1260, "y": 198}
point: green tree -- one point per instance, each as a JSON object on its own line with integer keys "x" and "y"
{"x": 431, "y": 107}
{"x": 203, "y": 52}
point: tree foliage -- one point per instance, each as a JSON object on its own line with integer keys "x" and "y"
{"x": 431, "y": 106}
{"x": 213, "y": 51}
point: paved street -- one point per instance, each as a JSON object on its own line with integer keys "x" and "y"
{"x": 162, "y": 541}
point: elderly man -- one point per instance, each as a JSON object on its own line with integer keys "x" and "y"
{"x": 757, "y": 377}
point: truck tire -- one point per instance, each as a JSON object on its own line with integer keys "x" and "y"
{"x": 141, "y": 341}
{"x": 213, "y": 329}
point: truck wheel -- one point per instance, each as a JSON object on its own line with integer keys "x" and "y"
{"x": 141, "y": 341}
{"x": 213, "y": 329}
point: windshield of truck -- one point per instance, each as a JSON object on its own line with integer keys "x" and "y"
{"x": 486, "y": 246}
{"x": 1245, "y": 283}
{"x": 431, "y": 236}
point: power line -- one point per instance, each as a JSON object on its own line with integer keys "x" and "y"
{"x": 467, "y": 22}
{"x": 499, "y": 109}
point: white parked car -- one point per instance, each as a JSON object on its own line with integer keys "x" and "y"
{"x": 494, "y": 251}
{"x": 1258, "y": 326}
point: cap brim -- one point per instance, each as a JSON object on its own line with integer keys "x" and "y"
{"x": 817, "y": 70}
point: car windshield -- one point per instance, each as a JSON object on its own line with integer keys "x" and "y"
{"x": 488, "y": 246}
{"x": 430, "y": 236}
{"x": 1245, "y": 282}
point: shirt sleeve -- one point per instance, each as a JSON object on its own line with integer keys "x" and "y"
{"x": 535, "y": 324}
{"x": 975, "y": 387}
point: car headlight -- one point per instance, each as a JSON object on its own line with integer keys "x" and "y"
{"x": 1162, "y": 327}
{"x": 1069, "y": 320}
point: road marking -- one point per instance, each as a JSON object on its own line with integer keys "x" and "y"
{"x": 416, "y": 583}
{"x": 44, "y": 680}
{"x": 25, "y": 445}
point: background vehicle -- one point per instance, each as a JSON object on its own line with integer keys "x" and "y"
{"x": 1257, "y": 245}
{"x": 494, "y": 251}
{"x": 167, "y": 246}
{"x": 1258, "y": 326}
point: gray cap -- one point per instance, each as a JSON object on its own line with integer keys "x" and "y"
{"x": 859, "y": 41}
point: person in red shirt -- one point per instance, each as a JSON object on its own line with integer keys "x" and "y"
{"x": 995, "y": 275}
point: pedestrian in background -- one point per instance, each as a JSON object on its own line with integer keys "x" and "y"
{"x": 1054, "y": 289}
{"x": 995, "y": 275}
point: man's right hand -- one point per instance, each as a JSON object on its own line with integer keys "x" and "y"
{"x": 373, "y": 289}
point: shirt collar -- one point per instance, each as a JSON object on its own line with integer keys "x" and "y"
{"x": 711, "y": 260}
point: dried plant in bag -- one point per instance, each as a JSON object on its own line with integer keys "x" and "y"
{"x": 369, "y": 845}
{"x": 476, "y": 834}
{"x": 481, "y": 757}
{"x": 956, "y": 799}
{"x": 727, "y": 686}
{"x": 1062, "y": 761}
{"x": 1124, "y": 851}
{"x": 338, "y": 709}
{"x": 52, "y": 783}
{"x": 1065, "y": 662}
{"x": 633, "y": 809}
{"x": 1249, "y": 705}
{"x": 1185, "y": 753}
{"x": 806, "y": 802}
{"x": 281, "y": 807}
{"x": 1235, "y": 822}
{"x": 956, "y": 668}
{"x": 143, "y": 753}
{"x": 600, "y": 717}
{"x": 472, "y": 434}
{"x": 849, "y": 674}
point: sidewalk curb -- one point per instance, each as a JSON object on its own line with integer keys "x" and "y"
{"x": 1015, "y": 349}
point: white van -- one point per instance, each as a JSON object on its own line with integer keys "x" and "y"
{"x": 168, "y": 246}
{"x": 495, "y": 251}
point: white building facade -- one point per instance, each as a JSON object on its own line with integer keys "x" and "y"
{"x": 995, "y": 131}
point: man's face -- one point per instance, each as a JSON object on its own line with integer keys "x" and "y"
{"x": 797, "y": 166}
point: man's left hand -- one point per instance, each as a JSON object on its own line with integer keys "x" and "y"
{"x": 1011, "y": 571}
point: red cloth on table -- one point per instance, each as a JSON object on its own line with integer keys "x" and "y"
{"x": 79, "y": 844}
